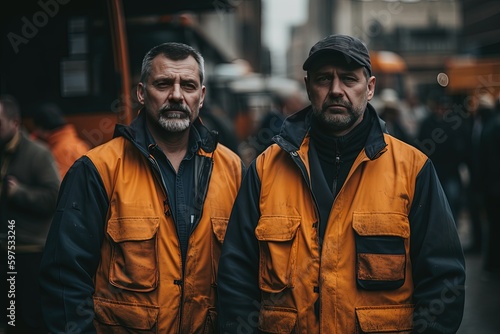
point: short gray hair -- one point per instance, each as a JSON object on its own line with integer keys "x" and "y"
{"x": 174, "y": 51}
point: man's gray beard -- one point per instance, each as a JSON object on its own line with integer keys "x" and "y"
{"x": 174, "y": 124}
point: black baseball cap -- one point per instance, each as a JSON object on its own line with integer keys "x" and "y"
{"x": 49, "y": 116}
{"x": 350, "y": 47}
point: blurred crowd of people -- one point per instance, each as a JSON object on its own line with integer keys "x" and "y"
{"x": 461, "y": 137}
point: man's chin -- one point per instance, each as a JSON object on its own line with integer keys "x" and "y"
{"x": 336, "y": 123}
{"x": 175, "y": 125}
{"x": 336, "y": 110}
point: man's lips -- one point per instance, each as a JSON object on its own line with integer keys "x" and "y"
{"x": 175, "y": 113}
{"x": 336, "y": 107}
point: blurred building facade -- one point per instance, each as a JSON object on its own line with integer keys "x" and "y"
{"x": 237, "y": 29}
{"x": 424, "y": 33}
{"x": 481, "y": 28}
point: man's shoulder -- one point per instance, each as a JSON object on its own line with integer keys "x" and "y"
{"x": 227, "y": 153}
{"x": 404, "y": 150}
{"x": 112, "y": 144}
{"x": 32, "y": 145}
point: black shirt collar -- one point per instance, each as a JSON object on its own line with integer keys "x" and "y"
{"x": 328, "y": 146}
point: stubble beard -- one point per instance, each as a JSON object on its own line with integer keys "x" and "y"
{"x": 336, "y": 122}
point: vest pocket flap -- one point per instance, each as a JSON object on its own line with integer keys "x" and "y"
{"x": 381, "y": 223}
{"x": 129, "y": 315}
{"x": 219, "y": 226}
{"x": 133, "y": 228}
{"x": 277, "y": 320}
{"x": 277, "y": 228}
{"x": 385, "y": 319}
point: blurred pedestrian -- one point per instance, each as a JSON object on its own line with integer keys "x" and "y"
{"x": 481, "y": 115}
{"x": 391, "y": 114}
{"x": 29, "y": 185}
{"x": 61, "y": 137}
{"x": 490, "y": 160}
{"x": 444, "y": 138}
{"x": 216, "y": 119}
{"x": 338, "y": 226}
{"x": 413, "y": 115}
{"x": 284, "y": 105}
{"x": 135, "y": 244}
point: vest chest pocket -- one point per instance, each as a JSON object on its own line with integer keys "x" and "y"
{"x": 381, "y": 240}
{"x": 278, "y": 247}
{"x": 134, "y": 256}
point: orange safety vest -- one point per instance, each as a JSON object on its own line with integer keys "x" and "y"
{"x": 292, "y": 274}
{"x": 140, "y": 284}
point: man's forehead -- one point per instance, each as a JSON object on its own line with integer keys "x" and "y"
{"x": 163, "y": 60}
{"x": 165, "y": 67}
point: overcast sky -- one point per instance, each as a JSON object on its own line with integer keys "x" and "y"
{"x": 278, "y": 17}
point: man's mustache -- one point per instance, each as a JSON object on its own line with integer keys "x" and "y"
{"x": 339, "y": 102}
{"x": 176, "y": 107}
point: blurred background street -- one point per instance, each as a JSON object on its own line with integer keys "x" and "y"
{"x": 482, "y": 300}
{"x": 482, "y": 291}
{"x": 88, "y": 57}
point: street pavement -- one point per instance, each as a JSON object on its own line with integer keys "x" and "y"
{"x": 482, "y": 299}
{"x": 482, "y": 291}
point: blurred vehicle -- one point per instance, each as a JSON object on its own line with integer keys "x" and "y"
{"x": 86, "y": 55}
{"x": 390, "y": 69}
{"x": 467, "y": 77}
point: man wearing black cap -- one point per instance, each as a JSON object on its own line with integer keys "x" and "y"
{"x": 340, "y": 227}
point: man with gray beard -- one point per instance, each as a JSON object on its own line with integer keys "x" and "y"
{"x": 135, "y": 243}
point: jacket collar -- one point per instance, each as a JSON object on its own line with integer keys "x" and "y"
{"x": 296, "y": 127}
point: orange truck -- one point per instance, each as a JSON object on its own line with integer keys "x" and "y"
{"x": 85, "y": 55}
{"x": 471, "y": 77}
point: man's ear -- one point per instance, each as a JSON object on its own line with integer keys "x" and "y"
{"x": 306, "y": 82}
{"x": 140, "y": 92}
{"x": 371, "y": 87}
{"x": 203, "y": 92}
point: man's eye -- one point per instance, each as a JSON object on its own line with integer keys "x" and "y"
{"x": 350, "y": 79}
{"x": 189, "y": 86}
{"x": 323, "y": 79}
{"x": 161, "y": 84}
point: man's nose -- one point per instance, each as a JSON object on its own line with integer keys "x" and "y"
{"x": 176, "y": 93}
{"x": 336, "y": 87}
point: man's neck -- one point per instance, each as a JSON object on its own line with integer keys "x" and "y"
{"x": 173, "y": 144}
{"x": 12, "y": 143}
